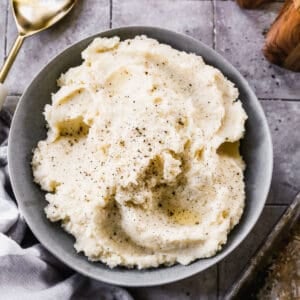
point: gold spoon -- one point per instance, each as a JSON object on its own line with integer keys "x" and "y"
{"x": 32, "y": 16}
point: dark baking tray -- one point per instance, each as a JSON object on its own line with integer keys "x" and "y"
{"x": 253, "y": 278}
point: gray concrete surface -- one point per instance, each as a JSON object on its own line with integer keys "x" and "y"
{"x": 238, "y": 35}
{"x": 3, "y": 20}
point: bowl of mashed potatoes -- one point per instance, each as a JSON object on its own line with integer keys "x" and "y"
{"x": 140, "y": 156}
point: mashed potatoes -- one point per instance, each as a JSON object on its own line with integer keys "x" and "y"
{"x": 141, "y": 163}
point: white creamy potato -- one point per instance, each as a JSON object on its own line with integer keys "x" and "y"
{"x": 141, "y": 163}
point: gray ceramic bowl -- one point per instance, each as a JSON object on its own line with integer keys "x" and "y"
{"x": 28, "y": 127}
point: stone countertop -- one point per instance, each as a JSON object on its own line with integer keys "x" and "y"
{"x": 235, "y": 33}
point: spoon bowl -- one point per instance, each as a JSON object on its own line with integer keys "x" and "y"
{"x": 32, "y": 16}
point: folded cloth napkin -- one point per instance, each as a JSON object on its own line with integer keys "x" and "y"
{"x": 31, "y": 272}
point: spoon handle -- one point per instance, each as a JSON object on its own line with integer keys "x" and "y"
{"x": 11, "y": 57}
{"x": 7, "y": 65}
{"x": 3, "y": 94}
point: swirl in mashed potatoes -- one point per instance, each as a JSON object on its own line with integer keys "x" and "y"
{"x": 141, "y": 163}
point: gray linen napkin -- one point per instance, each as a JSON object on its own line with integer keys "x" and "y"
{"x": 27, "y": 270}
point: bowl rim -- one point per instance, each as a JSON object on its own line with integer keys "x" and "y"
{"x": 176, "y": 276}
